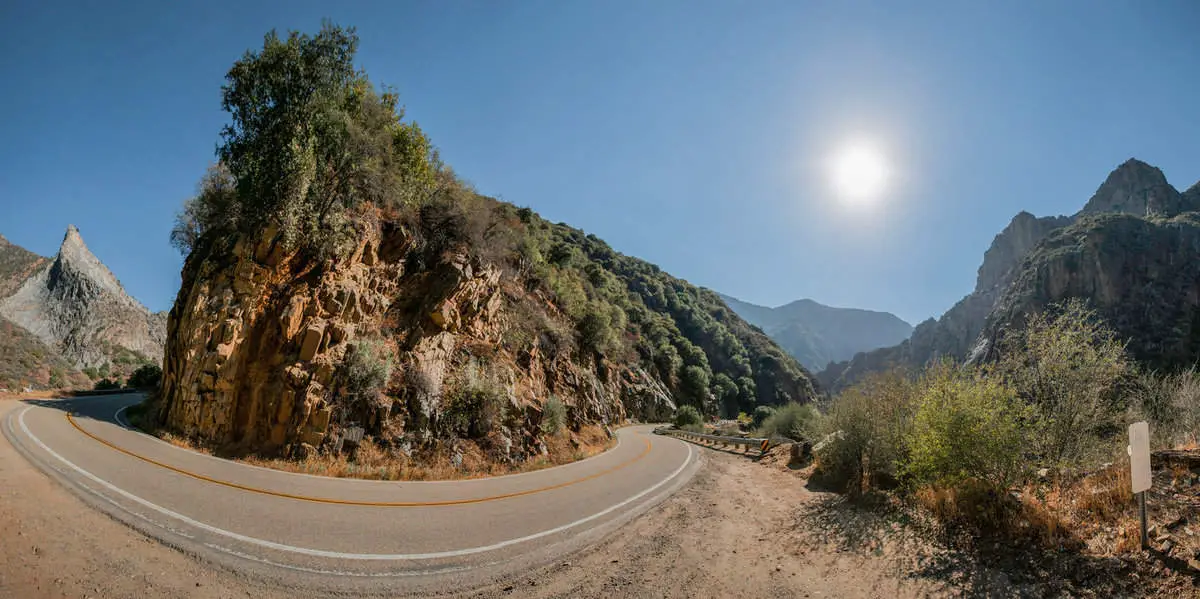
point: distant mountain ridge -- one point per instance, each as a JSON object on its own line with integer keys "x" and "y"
{"x": 816, "y": 334}
{"x": 72, "y": 314}
{"x": 1129, "y": 251}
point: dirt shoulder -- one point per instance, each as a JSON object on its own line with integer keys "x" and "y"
{"x": 52, "y": 545}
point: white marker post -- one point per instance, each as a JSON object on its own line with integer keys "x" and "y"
{"x": 1139, "y": 467}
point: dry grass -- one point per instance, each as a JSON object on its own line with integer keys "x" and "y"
{"x": 372, "y": 462}
{"x": 1094, "y": 513}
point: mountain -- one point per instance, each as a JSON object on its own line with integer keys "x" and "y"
{"x": 1035, "y": 261}
{"x": 817, "y": 334}
{"x": 75, "y": 308}
{"x": 1142, "y": 275}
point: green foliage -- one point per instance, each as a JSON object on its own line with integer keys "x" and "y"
{"x": 967, "y": 430}
{"x": 145, "y": 378}
{"x": 107, "y": 385}
{"x": 310, "y": 140}
{"x": 866, "y": 426}
{"x": 475, "y": 403}
{"x": 365, "y": 370}
{"x": 688, "y": 416}
{"x": 761, "y": 414}
{"x": 1071, "y": 366}
{"x": 794, "y": 421}
{"x": 554, "y": 416}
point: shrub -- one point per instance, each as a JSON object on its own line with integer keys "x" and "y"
{"x": 107, "y": 385}
{"x": 867, "y": 424}
{"x": 967, "y": 432}
{"x": 365, "y": 370}
{"x": 1171, "y": 404}
{"x": 761, "y": 413}
{"x": 554, "y": 416}
{"x": 688, "y": 416}
{"x": 145, "y": 378}
{"x": 794, "y": 421}
{"x": 475, "y": 404}
{"x": 1072, "y": 368}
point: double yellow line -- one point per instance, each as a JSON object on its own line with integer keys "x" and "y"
{"x": 328, "y": 500}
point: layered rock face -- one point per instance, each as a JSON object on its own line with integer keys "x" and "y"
{"x": 74, "y": 303}
{"x": 1141, "y": 275}
{"x": 1133, "y": 188}
{"x": 258, "y": 337}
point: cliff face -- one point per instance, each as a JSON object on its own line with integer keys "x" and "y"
{"x": 74, "y": 304}
{"x": 954, "y": 334}
{"x": 1134, "y": 188}
{"x": 1141, "y": 275}
{"x": 258, "y": 335}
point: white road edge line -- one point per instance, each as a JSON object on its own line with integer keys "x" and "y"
{"x": 337, "y": 554}
{"x": 124, "y": 423}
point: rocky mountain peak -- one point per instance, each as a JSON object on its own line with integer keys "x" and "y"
{"x": 1136, "y": 188}
{"x": 75, "y": 257}
{"x": 75, "y": 304}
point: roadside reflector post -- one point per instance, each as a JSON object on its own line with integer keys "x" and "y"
{"x": 1139, "y": 470}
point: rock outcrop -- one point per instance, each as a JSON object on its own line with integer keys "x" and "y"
{"x": 1139, "y": 189}
{"x": 1141, "y": 275}
{"x": 75, "y": 304}
{"x": 954, "y": 334}
{"x": 258, "y": 337}
{"x": 1036, "y": 261}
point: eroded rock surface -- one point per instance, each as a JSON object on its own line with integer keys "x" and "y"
{"x": 258, "y": 336}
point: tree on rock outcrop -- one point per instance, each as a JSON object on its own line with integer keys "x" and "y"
{"x": 311, "y": 139}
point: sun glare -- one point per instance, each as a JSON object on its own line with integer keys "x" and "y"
{"x": 859, "y": 173}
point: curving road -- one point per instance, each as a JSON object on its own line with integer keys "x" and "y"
{"x": 340, "y": 534}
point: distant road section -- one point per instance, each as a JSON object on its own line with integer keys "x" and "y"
{"x": 344, "y": 534}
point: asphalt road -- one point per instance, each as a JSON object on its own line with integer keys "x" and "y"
{"x": 339, "y": 534}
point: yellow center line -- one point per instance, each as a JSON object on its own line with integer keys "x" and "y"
{"x": 447, "y": 502}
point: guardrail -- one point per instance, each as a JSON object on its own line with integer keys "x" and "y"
{"x": 761, "y": 444}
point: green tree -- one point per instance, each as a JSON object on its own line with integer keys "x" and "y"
{"x": 310, "y": 140}
{"x": 694, "y": 385}
{"x": 687, "y": 416}
{"x": 793, "y": 421}
{"x": 761, "y": 413}
{"x": 146, "y": 377}
{"x": 107, "y": 385}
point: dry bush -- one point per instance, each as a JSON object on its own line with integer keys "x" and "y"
{"x": 1060, "y": 514}
{"x": 1072, "y": 367}
{"x": 972, "y": 505}
{"x": 867, "y": 424}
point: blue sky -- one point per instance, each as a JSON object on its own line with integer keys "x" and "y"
{"x": 692, "y": 134}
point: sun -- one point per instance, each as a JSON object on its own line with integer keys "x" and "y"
{"x": 860, "y": 173}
